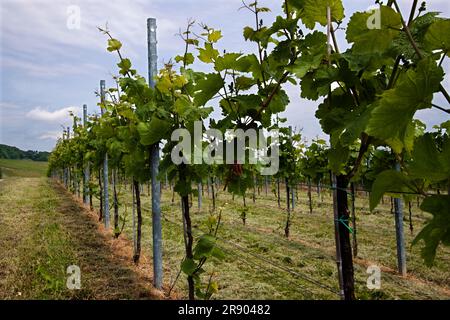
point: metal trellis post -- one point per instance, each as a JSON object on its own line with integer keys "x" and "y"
{"x": 87, "y": 174}
{"x": 154, "y": 156}
{"x": 401, "y": 254}
{"x": 105, "y": 165}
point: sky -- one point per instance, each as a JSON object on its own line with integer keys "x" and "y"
{"x": 50, "y": 65}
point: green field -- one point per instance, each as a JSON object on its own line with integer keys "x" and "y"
{"x": 23, "y": 168}
{"x": 45, "y": 229}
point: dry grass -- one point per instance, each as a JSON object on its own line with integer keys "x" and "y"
{"x": 44, "y": 231}
{"x": 309, "y": 251}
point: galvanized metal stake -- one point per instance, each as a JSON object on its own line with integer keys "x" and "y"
{"x": 154, "y": 156}
{"x": 105, "y": 165}
{"x": 65, "y": 170}
{"x": 87, "y": 174}
{"x": 292, "y": 189}
{"x": 199, "y": 189}
{"x": 401, "y": 253}
{"x": 69, "y": 176}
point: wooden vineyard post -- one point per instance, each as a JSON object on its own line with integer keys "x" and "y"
{"x": 344, "y": 258}
{"x": 105, "y": 165}
{"x": 154, "y": 158}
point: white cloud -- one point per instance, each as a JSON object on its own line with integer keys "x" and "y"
{"x": 51, "y": 116}
{"x": 50, "y": 135}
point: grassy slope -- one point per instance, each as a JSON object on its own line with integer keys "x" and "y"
{"x": 258, "y": 255}
{"x": 43, "y": 231}
{"x": 23, "y": 168}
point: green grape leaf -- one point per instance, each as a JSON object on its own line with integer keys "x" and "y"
{"x": 388, "y": 181}
{"x": 337, "y": 157}
{"x": 262, "y": 35}
{"x": 244, "y": 83}
{"x": 247, "y": 102}
{"x": 217, "y": 253}
{"x": 125, "y": 66}
{"x": 296, "y": 4}
{"x": 392, "y": 115}
{"x": 207, "y": 87}
{"x": 188, "y": 266}
{"x": 188, "y": 58}
{"x": 438, "y": 36}
{"x": 437, "y": 229}
{"x": 115, "y": 148}
{"x": 279, "y": 102}
{"x": 335, "y": 116}
{"x": 204, "y": 246}
{"x": 192, "y": 42}
{"x": 183, "y": 188}
{"x": 208, "y": 54}
{"x": 308, "y": 87}
{"x": 355, "y": 126}
{"x": 250, "y": 63}
{"x": 227, "y": 62}
{"x": 427, "y": 162}
{"x": 164, "y": 85}
{"x": 248, "y": 33}
{"x": 378, "y": 38}
{"x": 215, "y": 36}
{"x": 153, "y": 132}
{"x": 316, "y": 11}
{"x": 114, "y": 45}
{"x": 182, "y": 107}
{"x": 314, "y": 50}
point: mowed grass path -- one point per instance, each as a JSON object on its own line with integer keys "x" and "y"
{"x": 43, "y": 231}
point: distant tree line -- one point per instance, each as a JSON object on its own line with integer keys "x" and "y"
{"x": 8, "y": 152}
